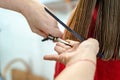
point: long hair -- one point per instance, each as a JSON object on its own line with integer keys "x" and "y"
{"x": 107, "y": 26}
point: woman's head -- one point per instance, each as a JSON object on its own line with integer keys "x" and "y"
{"x": 106, "y": 28}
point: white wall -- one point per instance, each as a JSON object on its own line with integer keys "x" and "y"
{"x": 48, "y": 1}
{"x": 17, "y": 41}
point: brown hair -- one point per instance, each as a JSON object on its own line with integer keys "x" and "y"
{"x": 107, "y": 27}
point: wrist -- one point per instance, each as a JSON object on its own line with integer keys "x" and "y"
{"x": 93, "y": 62}
{"x": 29, "y": 6}
{"x": 16, "y": 5}
{"x": 11, "y": 4}
{"x": 84, "y": 57}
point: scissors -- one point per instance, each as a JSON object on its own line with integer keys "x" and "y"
{"x": 79, "y": 37}
{"x": 56, "y": 39}
{"x": 50, "y": 37}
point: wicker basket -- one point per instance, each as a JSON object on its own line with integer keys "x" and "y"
{"x": 19, "y": 74}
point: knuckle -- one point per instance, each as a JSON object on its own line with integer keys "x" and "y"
{"x": 55, "y": 48}
{"x": 34, "y": 30}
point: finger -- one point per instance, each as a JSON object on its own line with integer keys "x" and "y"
{"x": 93, "y": 41}
{"x": 90, "y": 42}
{"x": 59, "y": 49}
{"x": 73, "y": 43}
{"x": 62, "y": 45}
{"x": 39, "y": 32}
{"x": 91, "y": 45}
{"x": 55, "y": 32}
{"x": 54, "y": 57}
{"x": 42, "y": 33}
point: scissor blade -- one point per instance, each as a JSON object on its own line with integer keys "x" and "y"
{"x": 80, "y": 38}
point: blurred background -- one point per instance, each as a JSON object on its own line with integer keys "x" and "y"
{"x": 18, "y": 42}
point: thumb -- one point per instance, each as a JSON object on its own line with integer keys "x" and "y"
{"x": 53, "y": 57}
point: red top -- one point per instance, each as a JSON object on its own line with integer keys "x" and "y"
{"x": 106, "y": 70}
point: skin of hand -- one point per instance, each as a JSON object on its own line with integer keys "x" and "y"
{"x": 86, "y": 50}
{"x": 39, "y": 20}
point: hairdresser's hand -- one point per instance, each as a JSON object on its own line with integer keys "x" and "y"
{"x": 86, "y": 50}
{"x": 40, "y": 22}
